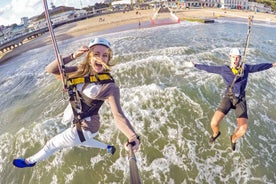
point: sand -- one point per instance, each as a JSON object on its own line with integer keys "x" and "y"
{"x": 107, "y": 22}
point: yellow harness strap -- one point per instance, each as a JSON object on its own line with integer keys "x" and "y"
{"x": 91, "y": 79}
{"x": 235, "y": 71}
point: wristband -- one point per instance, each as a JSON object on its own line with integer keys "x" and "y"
{"x": 72, "y": 56}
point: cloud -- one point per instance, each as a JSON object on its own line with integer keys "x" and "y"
{"x": 13, "y": 12}
{"x": 6, "y": 8}
{"x": 16, "y": 9}
{"x": 29, "y": 7}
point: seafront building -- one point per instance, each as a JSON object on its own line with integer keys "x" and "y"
{"x": 224, "y": 4}
{"x": 66, "y": 14}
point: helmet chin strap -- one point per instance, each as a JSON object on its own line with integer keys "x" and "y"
{"x": 232, "y": 65}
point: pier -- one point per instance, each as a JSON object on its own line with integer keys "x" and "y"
{"x": 9, "y": 45}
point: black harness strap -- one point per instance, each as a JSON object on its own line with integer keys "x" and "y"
{"x": 80, "y": 133}
{"x": 231, "y": 95}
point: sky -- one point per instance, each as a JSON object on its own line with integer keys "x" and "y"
{"x": 11, "y": 11}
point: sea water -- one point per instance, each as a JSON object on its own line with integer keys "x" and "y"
{"x": 169, "y": 105}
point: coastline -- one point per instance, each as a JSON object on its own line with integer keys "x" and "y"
{"x": 142, "y": 19}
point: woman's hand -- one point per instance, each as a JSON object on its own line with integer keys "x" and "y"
{"x": 134, "y": 141}
{"x": 80, "y": 52}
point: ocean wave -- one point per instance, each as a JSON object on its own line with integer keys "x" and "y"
{"x": 168, "y": 104}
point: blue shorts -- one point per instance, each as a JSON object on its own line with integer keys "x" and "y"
{"x": 227, "y": 104}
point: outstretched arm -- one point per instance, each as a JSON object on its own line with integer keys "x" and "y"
{"x": 273, "y": 64}
{"x": 207, "y": 68}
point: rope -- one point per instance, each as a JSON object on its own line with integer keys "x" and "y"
{"x": 250, "y": 22}
{"x": 61, "y": 65}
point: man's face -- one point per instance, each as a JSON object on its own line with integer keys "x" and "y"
{"x": 235, "y": 61}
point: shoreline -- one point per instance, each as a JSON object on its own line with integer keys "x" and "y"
{"x": 120, "y": 19}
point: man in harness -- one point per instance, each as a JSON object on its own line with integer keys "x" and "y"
{"x": 90, "y": 84}
{"x": 234, "y": 97}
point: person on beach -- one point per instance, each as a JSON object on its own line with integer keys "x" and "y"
{"x": 235, "y": 78}
{"x": 90, "y": 85}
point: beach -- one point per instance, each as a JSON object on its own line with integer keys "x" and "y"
{"x": 139, "y": 17}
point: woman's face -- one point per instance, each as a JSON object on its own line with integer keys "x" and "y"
{"x": 100, "y": 56}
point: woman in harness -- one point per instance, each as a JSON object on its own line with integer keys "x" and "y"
{"x": 234, "y": 97}
{"x": 90, "y": 85}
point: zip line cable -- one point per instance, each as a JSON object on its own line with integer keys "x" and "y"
{"x": 61, "y": 65}
{"x": 250, "y": 22}
{"x": 134, "y": 173}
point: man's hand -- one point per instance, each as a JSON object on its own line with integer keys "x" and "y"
{"x": 189, "y": 64}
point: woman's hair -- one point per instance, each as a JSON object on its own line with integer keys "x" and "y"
{"x": 85, "y": 68}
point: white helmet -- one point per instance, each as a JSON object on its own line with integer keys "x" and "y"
{"x": 99, "y": 41}
{"x": 235, "y": 52}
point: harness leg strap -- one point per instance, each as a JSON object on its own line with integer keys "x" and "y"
{"x": 80, "y": 133}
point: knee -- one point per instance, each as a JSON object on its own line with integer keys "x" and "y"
{"x": 244, "y": 127}
{"x": 218, "y": 116}
{"x": 49, "y": 146}
{"x": 214, "y": 122}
